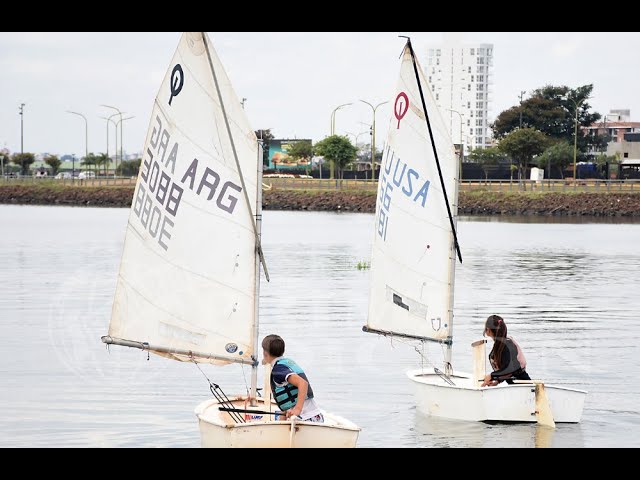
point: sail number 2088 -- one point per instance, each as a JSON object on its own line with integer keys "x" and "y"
{"x": 159, "y": 190}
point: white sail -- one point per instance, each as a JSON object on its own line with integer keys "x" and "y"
{"x": 187, "y": 279}
{"x": 412, "y": 261}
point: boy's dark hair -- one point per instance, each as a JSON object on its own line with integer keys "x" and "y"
{"x": 274, "y": 345}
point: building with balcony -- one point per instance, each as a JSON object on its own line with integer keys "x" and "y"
{"x": 623, "y": 133}
{"x": 460, "y": 78}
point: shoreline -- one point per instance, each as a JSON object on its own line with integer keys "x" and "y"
{"x": 477, "y": 202}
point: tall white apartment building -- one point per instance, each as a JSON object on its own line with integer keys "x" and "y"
{"x": 460, "y": 78}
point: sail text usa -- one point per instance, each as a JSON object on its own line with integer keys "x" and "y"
{"x": 158, "y": 196}
{"x": 396, "y": 174}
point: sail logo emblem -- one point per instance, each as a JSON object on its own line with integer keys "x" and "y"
{"x": 231, "y": 348}
{"x": 400, "y": 109}
{"x": 177, "y": 81}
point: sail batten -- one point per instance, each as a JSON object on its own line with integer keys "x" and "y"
{"x": 187, "y": 279}
{"x": 411, "y": 265}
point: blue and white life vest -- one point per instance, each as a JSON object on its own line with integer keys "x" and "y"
{"x": 287, "y": 396}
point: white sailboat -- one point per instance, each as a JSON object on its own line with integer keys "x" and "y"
{"x": 415, "y": 250}
{"x": 188, "y": 285}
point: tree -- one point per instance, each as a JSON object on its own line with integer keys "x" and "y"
{"x": 560, "y": 155}
{"x": 89, "y": 160}
{"x": 102, "y": 160}
{"x": 603, "y": 161}
{"x": 486, "y": 158}
{"x": 266, "y": 137}
{"x": 24, "y": 160}
{"x": 522, "y": 145}
{"x": 338, "y": 150}
{"x": 300, "y": 150}
{"x": 551, "y": 110}
{"x": 129, "y": 168}
{"x": 54, "y": 162}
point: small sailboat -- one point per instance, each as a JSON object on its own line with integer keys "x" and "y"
{"x": 189, "y": 279}
{"x": 413, "y": 262}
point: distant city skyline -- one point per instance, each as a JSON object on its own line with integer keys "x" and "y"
{"x": 292, "y": 82}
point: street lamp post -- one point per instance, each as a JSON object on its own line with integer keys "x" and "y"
{"x": 461, "y": 154}
{"x": 73, "y": 168}
{"x": 86, "y": 134}
{"x": 373, "y": 138}
{"x": 522, "y": 92}
{"x": 333, "y": 129}
{"x": 356, "y": 137}
{"x": 108, "y": 119}
{"x": 121, "y": 121}
{"x": 575, "y": 138}
{"x": 22, "y": 128}
{"x": 333, "y": 117}
{"x": 119, "y": 113}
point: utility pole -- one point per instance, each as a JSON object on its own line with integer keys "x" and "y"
{"x": 521, "y": 95}
{"x": 22, "y": 128}
{"x": 373, "y": 138}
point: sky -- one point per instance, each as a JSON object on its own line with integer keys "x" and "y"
{"x": 292, "y": 82}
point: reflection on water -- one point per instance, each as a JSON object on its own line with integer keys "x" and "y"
{"x": 549, "y": 219}
{"x": 439, "y": 432}
{"x": 566, "y": 289}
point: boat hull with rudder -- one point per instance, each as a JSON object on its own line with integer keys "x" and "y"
{"x": 259, "y": 430}
{"x": 412, "y": 274}
{"x": 502, "y": 403}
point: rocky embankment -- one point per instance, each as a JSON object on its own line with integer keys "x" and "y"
{"x": 471, "y": 203}
{"x": 65, "y": 195}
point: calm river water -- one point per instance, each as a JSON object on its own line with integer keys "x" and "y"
{"x": 568, "y": 292}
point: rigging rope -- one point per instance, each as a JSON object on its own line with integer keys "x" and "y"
{"x": 424, "y": 359}
{"x": 222, "y": 398}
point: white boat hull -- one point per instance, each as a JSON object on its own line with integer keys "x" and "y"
{"x": 502, "y": 403}
{"x": 218, "y": 429}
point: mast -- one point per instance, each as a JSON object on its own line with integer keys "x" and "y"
{"x": 448, "y": 353}
{"x": 455, "y": 248}
{"x": 435, "y": 151}
{"x": 235, "y": 156}
{"x": 256, "y": 320}
{"x": 256, "y": 228}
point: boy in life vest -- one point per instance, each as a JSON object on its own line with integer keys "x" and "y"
{"x": 289, "y": 384}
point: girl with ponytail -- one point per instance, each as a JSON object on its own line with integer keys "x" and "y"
{"x": 506, "y": 357}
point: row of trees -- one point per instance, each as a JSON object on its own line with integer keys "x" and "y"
{"x": 99, "y": 163}
{"x": 538, "y": 131}
{"x": 336, "y": 149}
{"x": 541, "y": 131}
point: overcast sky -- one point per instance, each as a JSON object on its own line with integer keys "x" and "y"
{"x": 292, "y": 81}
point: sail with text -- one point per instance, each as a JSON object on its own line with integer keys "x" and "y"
{"x": 413, "y": 258}
{"x": 186, "y": 288}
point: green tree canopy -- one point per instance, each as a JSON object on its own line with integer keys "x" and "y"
{"x": 522, "y": 145}
{"x": 602, "y": 161}
{"x": 128, "y": 168}
{"x": 102, "y": 160}
{"x": 89, "y": 161}
{"x": 24, "y": 160}
{"x": 54, "y": 162}
{"x": 559, "y": 155}
{"x": 300, "y": 150}
{"x": 266, "y": 137}
{"x": 486, "y": 158}
{"x": 551, "y": 110}
{"x": 338, "y": 150}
